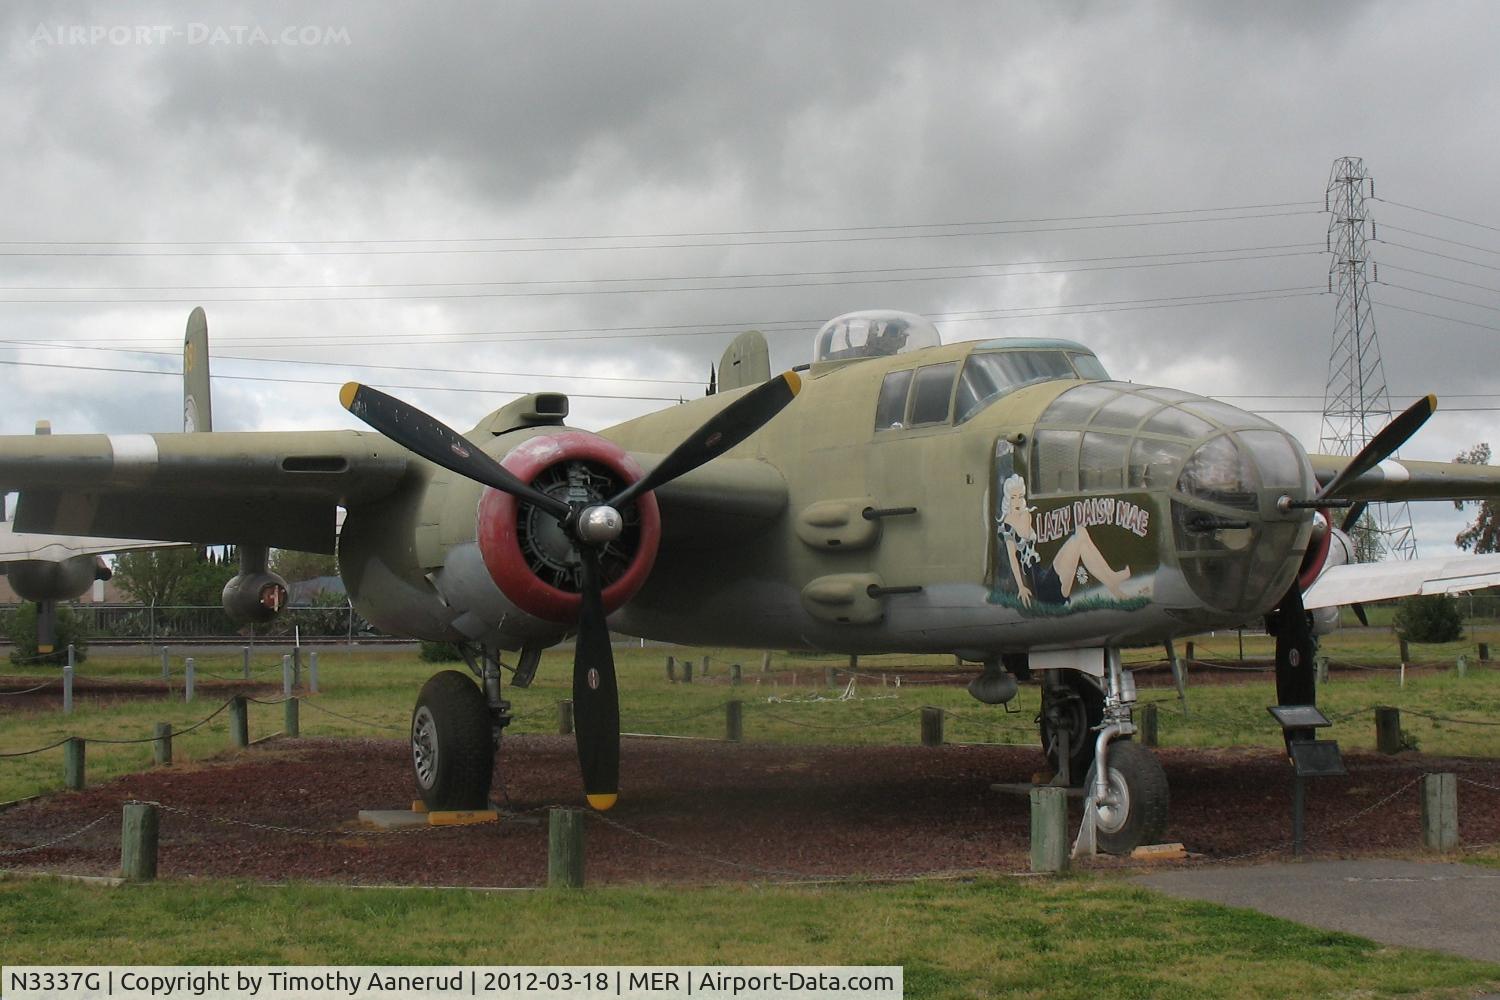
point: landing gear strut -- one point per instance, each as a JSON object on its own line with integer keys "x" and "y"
{"x": 1125, "y": 788}
{"x": 455, "y": 733}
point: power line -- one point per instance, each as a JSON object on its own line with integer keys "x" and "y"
{"x": 1431, "y": 315}
{"x": 1439, "y": 215}
{"x": 1443, "y": 256}
{"x": 767, "y": 326}
{"x": 1152, "y": 258}
{"x": 1439, "y": 277}
{"x": 635, "y": 291}
{"x": 1443, "y": 239}
{"x": 1445, "y": 298}
{"x": 792, "y": 241}
{"x": 677, "y": 235}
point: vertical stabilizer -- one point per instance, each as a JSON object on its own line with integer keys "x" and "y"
{"x": 747, "y": 361}
{"x": 197, "y": 403}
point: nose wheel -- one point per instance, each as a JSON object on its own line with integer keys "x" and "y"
{"x": 1134, "y": 812}
{"x": 452, "y": 743}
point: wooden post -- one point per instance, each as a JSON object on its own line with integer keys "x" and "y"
{"x": 734, "y": 720}
{"x": 1320, "y": 664}
{"x": 564, "y": 848}
{"x": 1440, "y": 811}
{"x": 1461, "y": 665}
{"x": 138, "y": 840}
{"x": 1484, "y": 652}
{"x": 245, "y": 661}
{"x": 565, "y": 717}
{"x": 1405, "y": 652}
{"x": 1190, "y": 651}
{"x": 830, "y": 677}
{"x": 765, "y": 662}
{"x": 707, "y": 661}
{"x": 312, "y": 672}
{"x": 296, "y": 666}
{"x": 239, "y": 722}
{"x": 1049, "y": 829}
{"x": 853, "y": 663}
{"x": 68, "y": 684}
{"x": 189, "y": 678}
{"x": 672, "y": 669}
{"x": 161, "y": 747}
{"x": 687, "y": 671}
{"x": 735, "y": 675}
{"x": 286, "y": 675}
{"x": 73, "y": 763}
{"x": 1387, "y": 729}
{"x": 292, "y": 721}
{"x": 1150, "y": 734}
{"x": 166, "y": 665}
{"x": 932, "y": 727}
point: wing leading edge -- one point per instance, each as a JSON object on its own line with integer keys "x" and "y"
{"x": 248, "y": 488}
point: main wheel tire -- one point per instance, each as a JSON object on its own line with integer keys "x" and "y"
{"x": 1139, "y": 785}
{"x": 1077, "y": 704}
{"x": 452, "y": 745}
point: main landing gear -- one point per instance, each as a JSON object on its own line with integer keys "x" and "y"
{"x": 456, "y": 728}
{"x": 1088, "y": 727}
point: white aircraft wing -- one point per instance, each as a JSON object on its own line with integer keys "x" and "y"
{"x": 16, "y": 546}
{"x": 1363, "y": 583}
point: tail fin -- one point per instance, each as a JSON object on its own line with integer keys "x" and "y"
{"x": 197, "y": 403}
{"x": 747, "y": 361}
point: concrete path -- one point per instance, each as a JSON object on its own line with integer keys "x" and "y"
{"x": 1419, "y": 904}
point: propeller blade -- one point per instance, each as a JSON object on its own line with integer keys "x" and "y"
{"x": 438, "y": 443}
{"x": 1352, "y": 516}
{"x": 722, "y": 431}
{"x": 1380, "y": 447}
{"x": 596, "y": 696}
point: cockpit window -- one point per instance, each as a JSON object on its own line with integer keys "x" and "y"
{"x": 988, "y": 375}
{"x": 890, "y": 410}
{"x": 931, "y": 392}
{"x": 874, "y": 333}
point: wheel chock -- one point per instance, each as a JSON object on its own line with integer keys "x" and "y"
{"x": 418, "y": 806}
{"x": 462, "y": 817}
{"x": 1159, "y": 852}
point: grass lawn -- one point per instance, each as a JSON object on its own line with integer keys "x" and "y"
{"x": 1070, "y": 937}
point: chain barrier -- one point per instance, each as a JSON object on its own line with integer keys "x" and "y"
{"x": 1478, "y": 784}
{"x": 31, "y": 690}
{"x": 1444, "y": 718}
{"x": 701, "y": 855}
{"x": 117, "y": 742}
{"x": 681, "y": 718}
{"x": 53, "y": 843}
{"x": 347, "y": 718}
{"x": 294, "y": 831}
{"x": 28, "y": 753}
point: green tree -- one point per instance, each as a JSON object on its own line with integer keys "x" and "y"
{"x": 1429, "y": 618}
{"x": 180, "y": 576}
{"x": 297, "y": 566}
{"x": 1483, "y": 535}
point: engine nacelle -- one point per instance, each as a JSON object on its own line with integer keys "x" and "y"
{"x": 255, "y": 598}
{"x": 526, "y": 553}
{"x": 1340, "y": 553}
{"x": 63, "y": 580}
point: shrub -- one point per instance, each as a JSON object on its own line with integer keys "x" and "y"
{"x": 440, "y": 652}
{"x": 1429, "y": 618}
{"x": 70, "y": 629}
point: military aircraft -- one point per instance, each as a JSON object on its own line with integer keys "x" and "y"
{"x": 48, "y": 568}
{"x": 1002, "y": 500}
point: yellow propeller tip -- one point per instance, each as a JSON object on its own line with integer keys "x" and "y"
{"x": 346, "y": 394}
{"x": 602, "y": 802}
{"x": 793, "y": 382}
{"x": 1432, "y": 401}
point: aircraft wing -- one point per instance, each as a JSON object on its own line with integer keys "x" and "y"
{"x": 1361, "y": 583}
{"x": 19, "y": 547}
{"x": 1396, "y": 479}
{"x": 725, "y": 500}
{"x": 246, "y": 488}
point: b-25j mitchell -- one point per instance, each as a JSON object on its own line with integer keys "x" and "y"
{"x": 1002, "y": 500}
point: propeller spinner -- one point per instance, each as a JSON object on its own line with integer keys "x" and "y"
{"x": 589, "y": 527}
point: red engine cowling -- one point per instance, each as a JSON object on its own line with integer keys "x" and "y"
{"x": 527, "y": 554}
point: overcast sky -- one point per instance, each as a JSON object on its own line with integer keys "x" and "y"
{"x": 506, "y": 197}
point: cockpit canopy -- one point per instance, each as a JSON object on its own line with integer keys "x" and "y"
{"x": 873, "y": 333}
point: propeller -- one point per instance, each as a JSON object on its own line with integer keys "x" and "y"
{"x": 596, "y": 700}
{"x": 1380, "y": 447}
